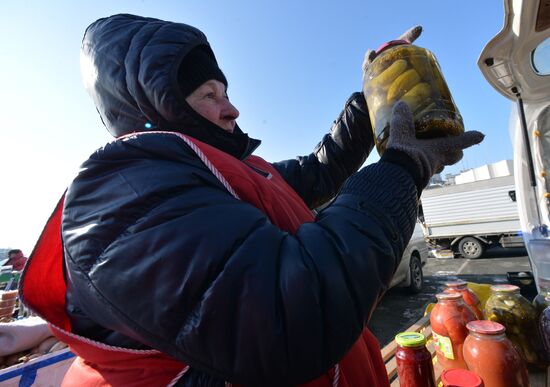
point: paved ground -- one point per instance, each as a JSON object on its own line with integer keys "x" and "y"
{"x": 398, "y": 309}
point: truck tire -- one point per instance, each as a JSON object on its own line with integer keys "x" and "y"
{"x": 471, "y": 248}
{"x": 417, "y": 277}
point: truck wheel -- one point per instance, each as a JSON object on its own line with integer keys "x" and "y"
{"x": 417, "y": 277}
{"x": 471, "y": 248}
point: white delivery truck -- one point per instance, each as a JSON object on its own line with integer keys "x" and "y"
{"x": 467, "y": 218}
{"x": 516, "y": 62}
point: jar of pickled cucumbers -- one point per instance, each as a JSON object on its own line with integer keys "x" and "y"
{"x": 402, "y": 71}
{"x": 508, "y": 307}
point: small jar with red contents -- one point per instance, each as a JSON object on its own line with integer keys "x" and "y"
{"x": 414, "y": 361}
{"x": 461, "y": 378}
{"x": 490, "y": 354}
{"x": 468, "y": 295}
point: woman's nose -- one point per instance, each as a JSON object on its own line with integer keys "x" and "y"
{"x": 230, "y": 111}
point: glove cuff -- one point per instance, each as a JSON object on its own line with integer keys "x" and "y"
{"x": 420, "y": 162}
{"x": 402, "y": 159}
{"x": 389, "y": 189}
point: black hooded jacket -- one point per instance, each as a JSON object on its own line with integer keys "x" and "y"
{"x": 159, "y": 255}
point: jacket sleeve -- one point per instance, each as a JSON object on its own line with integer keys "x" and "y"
{"x": 318, "y": 176}
{"x": 161, "y": 252}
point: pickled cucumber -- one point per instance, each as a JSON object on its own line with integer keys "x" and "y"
{"x": 385, "y": 79}
{"x": 416, "y": 96}
{"x": 422, "y": 65}
{"x": 402, "y": 84}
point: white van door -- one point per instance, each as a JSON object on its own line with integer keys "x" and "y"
{"x": 516, "y": 62}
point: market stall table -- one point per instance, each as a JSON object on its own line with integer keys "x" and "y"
{"x": 537, "y": 377}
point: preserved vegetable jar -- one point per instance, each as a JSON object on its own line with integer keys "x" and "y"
{"x": 448, "y": 320}
{"x": 414, "y": 361}
{"x": 491, "y": 355}
{"x": 468, "y": 295}
{"x": 402, "y": 71}
{"x": 544, "y": 327}
{"x": 541, "y": 301}
{"x": 507, "y": 306}
{"x": 460, "y": 378}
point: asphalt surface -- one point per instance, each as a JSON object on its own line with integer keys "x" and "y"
{"x": 399, "y": 309}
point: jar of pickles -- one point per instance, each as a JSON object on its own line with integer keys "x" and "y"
{"x": 414, "y": 361}
{"x": 508, "y": 307}
{"x": 470, "y": 298}
{"x": 448, "y": 320}
{"x": 491, "y": 355}
{"x": 405, "y": 72}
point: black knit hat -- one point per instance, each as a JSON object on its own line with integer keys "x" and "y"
{"x": 198, "y": 66}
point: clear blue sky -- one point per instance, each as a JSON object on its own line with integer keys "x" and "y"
{"x": 290, "y": 64}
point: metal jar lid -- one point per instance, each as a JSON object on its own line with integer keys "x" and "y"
{"x": 486, "y": 327}
{"x": 410, "y": 339}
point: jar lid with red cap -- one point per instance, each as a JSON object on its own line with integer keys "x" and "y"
{"x": 460, "y": 378}
{"x": 391, "y": 43}
{"x": 486, "y": 327}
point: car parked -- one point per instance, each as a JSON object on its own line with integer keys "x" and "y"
{"x": 409, "y": 272}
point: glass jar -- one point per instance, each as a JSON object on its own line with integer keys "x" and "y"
{"x": 414, "y": 361}
{"x": 470, "y": 298}
{"x": 402, "y": 71}
{"x": 507, "y": 306}
{"x": 460, "y": 378}
{"x": 541, "y": 301}
{"x": 448, "y": 320}
{"x": 544, "y": 329}
{"x": 491, "y": 355}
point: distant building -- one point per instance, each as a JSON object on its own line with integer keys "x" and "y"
{"x": 485, "y": 172}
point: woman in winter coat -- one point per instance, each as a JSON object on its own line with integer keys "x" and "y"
{"x": 180, "y": 258}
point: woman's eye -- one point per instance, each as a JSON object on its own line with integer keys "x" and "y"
{"x": 210, "y": 95}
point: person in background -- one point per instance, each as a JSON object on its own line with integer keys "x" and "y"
{"x": 177, "y": 257}
{"x": 16, "y": 259}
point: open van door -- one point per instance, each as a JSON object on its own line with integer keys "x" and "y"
{"x": 516, "y": 62}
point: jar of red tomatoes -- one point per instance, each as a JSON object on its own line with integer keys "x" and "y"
{"x": 448, "y": 320}
{"x": 468, "y": 295}
{"x": 414, "y": 361}
{"x": 491, "y": 355}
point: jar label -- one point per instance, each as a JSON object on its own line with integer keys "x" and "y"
{"x": 443, "y": 343}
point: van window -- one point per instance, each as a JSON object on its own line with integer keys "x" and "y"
{"x": 541, "y": 58}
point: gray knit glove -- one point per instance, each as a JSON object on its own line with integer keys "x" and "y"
{"x": 410, "y": 35}
{"x": 430, "y": 155}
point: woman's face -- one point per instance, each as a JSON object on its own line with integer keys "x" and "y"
{"x": 210, "y": 101}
